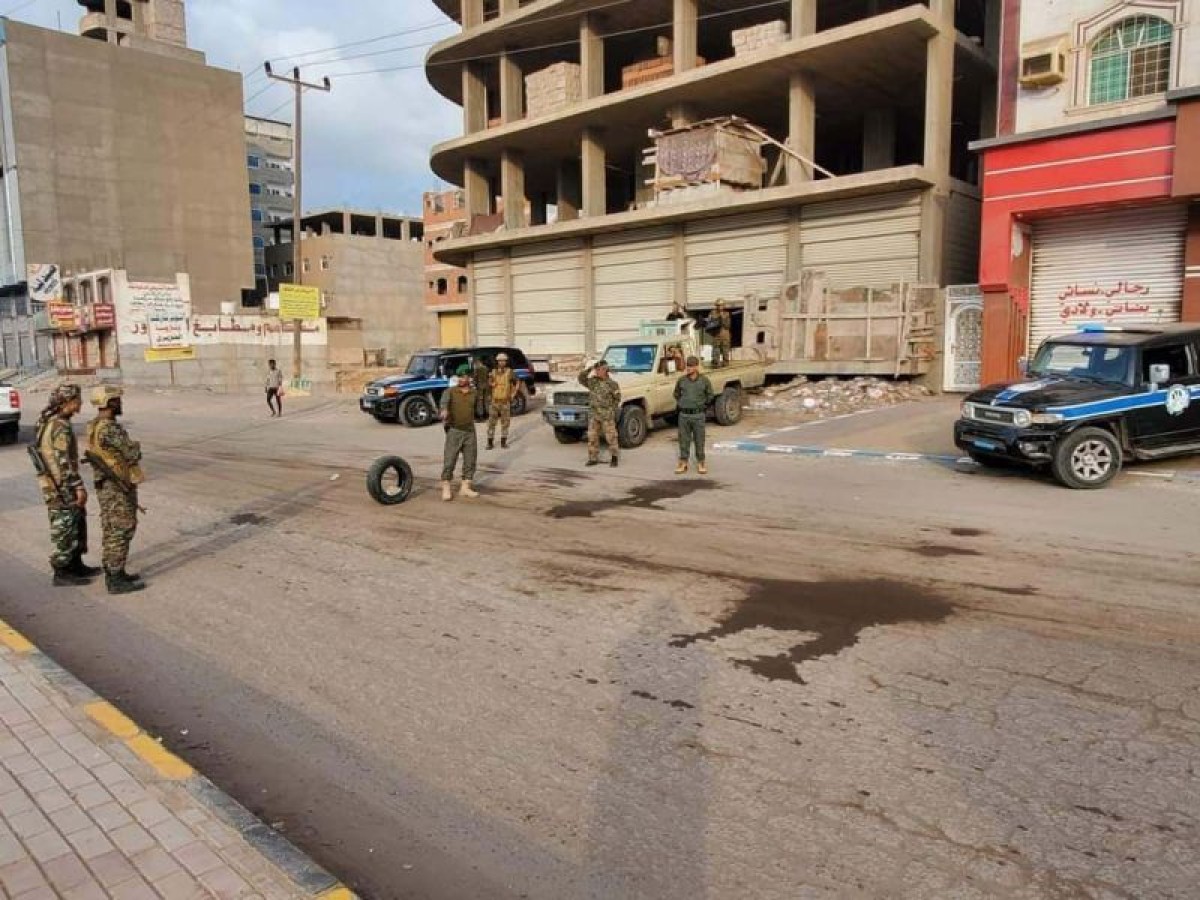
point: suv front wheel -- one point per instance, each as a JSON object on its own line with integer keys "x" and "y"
{"x": 417, "y": 412}
{"x": 1088, "y": 459}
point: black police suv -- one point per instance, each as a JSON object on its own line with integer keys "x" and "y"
{"x": 413, "y": 398}
{"x": 1092, "y": 401}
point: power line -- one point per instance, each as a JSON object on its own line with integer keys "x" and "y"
{"x": 404, "y": 32}
{"x": 19, "y": 7}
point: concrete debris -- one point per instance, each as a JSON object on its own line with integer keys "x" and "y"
{"x": 828, "y": 397}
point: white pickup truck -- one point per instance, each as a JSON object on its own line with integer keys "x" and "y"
{"x": 647, "y": 367}
{"x": 10, "y": 413}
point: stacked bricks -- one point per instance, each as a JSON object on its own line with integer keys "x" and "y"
{"x": 553, "y": 88}
{"x": 759, "y": 37}
{"x": 649, "y": 70}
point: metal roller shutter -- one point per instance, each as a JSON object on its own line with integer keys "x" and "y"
{"x": 1120, "y": 267}
{"x": 866, "y": 242}
{"x": 489, "y": 298}
{"x": 736, "y": 256}
{"x": 634, "y": 280}
{"x": 547, "y": 284}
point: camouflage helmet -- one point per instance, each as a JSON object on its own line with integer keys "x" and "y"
{"x": 501, "y": 357}
{"x": 103, "y": 394}
{"x": 720, "y": 304}
{"x": 64, "y": 394}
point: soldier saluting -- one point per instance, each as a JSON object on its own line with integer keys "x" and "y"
{"x": 55, "y": 457}
{"x": 603, "y": 402}
{"x": 115, "y": 460}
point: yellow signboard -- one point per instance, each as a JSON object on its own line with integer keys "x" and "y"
{"x": 297, "y": 301}
{"x": 170, "y": 354}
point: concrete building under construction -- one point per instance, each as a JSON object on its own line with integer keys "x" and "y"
{"x": 689, "y": 150}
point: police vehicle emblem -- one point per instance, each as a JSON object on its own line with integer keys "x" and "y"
{"x": 1179, "y": 398}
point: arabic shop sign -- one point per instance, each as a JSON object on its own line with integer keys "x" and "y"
{"x": 298, "y": 301}
{"x": 255, "y": 330}
{"x": 1096, "y": 301}
{"x": 45, "y": 283}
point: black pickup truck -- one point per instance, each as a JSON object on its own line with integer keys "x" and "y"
{"x": 1091, "y": 402}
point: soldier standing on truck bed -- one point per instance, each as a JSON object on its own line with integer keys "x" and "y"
{"x": 603, "y": 403}
{"x": 56, "y": 458}
{"x": 115, "y": 459}
{"x": 723, "y": 340}
{"x": 693, "y": 394}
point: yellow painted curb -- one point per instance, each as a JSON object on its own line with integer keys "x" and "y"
{"x": 338, "y": 893}
{"x": 14, "y": 640}
{"x": 166, "y": 763}
{"x": 112, "y": 719}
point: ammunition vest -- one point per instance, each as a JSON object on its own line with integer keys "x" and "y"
{"x": 129, "y": 472}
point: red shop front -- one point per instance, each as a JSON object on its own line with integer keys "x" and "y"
{"x": 1080, "y": 227}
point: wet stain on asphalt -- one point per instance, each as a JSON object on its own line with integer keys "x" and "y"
{"x": 1026, "y": 591}
{"x": 562, "y": 478}
{"x": 941, "y": 551}
{"x": 968, "y": 532}
{"x": 674, "y": 704}
{"x": 836, "y": 612}
{"x": 247, "y": 519}
{"x": 647, "y": 496}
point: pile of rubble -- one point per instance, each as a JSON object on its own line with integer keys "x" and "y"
{"x": 834, "y": 397}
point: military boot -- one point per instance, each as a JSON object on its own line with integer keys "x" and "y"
{"x": 82, "y": 569}
{"x": 682, "y": 467}
{"x": 468, "y": 490}
{"x": 491, "y": 444}
{"x": 613, "y": 462}
{"x": 504, "y": 442}
{"x": 120, "y": 583}
{"x": 132, "y": 576}
{"x": 66, "y": 578}
{"x": 447, "y": 493}
{"x": 702, "y": 467}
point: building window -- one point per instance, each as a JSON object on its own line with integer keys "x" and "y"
{"x": 253, "y": 162}
{"x": 255, "y": 189}
{"x": 274, "y": 270}
{"x": 305, "y": 265}
{"x": 260, "y": 270}
{"x": 103, "y": 290}
{"x": 288, "y": 269}
{"x": 462, "y": 284}
{"x": 256, "y": 214}
{"x": 325, "y": 263}
{"x": 1131, "y": 59}
{"x": 443, "y": 287}
{"x": 259, "y": 242}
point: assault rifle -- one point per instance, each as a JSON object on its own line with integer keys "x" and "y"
{"x": 43, "y": 471}
{"x": 104, "y": 470}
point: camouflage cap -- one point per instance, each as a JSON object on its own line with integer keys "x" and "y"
{"x": 64, "y": 394}
{"x": 501, "y": 356}
{"x": 103, "y": 394}
{"x": 601, "y": 363}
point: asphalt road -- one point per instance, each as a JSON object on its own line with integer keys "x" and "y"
{"x": 797, "y": 678}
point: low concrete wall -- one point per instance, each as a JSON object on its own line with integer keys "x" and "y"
{"x": 224, "y": 368}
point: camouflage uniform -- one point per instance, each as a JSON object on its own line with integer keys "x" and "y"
{"x": 109, "y": 440}
{"x": 68, "y": 536}
{"x": 723, "y": 342}
{"x": 502, "y": 388}
{"x": 603, "y": 403}
{"x": 481, "y": 376}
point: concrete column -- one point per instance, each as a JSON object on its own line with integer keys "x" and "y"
{"x": 478, "y": 188}
{"x": 472, "y": 13}
{"x": 594, "y": 175}
{"x": 591, "y": 57}
{"x": 879, "y": 139}
{"x": 347, "y": 224}
{"x": 512, "y": 90}
{"x": 512, "y": 189}
{"x": 939, "y": 103}
{"x": 679, "y": 261}
{"x": 1191, "y": 267}
{"x": 475, "y": 112}
{"x": 794, "y": 262}
{"x": 510, "y": 306}
{"x": 405, "y": 230}
{"x": 686, "y": 35}
{"x": 508, "y": 7}
{"x": 802, "y": 127}
{"x": 538, "y": 209}
{"x": 804, "y": 18}
{"x": 570, "y": 191}
{"x": 682, "y": 114}
{"x": 472, "y": 306}
{"x": 589, "y": 297}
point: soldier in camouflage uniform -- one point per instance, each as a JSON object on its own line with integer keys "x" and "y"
{"x": 723, "y": 340}
{"x": 115, "y": 459}
{"x": 503, "y": 386}
{"x": 482, "y": 377}
{"x": 603, "y": 405}
{"x": 62, "y": 487}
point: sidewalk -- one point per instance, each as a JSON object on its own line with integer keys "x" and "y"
{"x": 91, "y": 807}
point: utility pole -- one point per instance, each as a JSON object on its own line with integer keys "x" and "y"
{"x": 299, "y": 87}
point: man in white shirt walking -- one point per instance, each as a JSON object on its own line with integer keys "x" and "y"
{"x": 274, "y": 389}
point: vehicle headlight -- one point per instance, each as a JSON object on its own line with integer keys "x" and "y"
{"x": 968, "y": 410}
{"x": 1046, "y": 418}
{"x": 1022, "y": 418}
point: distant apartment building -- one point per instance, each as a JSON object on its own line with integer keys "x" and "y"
{"x": 272, "y": 189}
{"x": 447, "y": 286}
{"x": 1090, "y": 185}
{"x": 370, "y": 268}
{"x": 121, "y": 150}
{"x": 684, "y": 151}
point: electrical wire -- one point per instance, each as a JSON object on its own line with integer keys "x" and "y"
{"x": 20, "y": 6}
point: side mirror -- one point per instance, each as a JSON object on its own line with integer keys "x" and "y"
{"x": 1160, "y": 374}
{"x": 1023, "y": 366}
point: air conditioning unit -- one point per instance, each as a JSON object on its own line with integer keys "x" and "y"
{"x": 1043, "y": 65}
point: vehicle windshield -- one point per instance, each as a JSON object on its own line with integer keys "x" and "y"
{"x": 425, "y": 366}
{"x": 637, "y": 359}
{"x": 1094, "y": 363}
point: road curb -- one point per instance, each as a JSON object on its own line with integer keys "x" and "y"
{"x": 305, "y": 874}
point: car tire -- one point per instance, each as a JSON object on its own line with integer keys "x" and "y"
{"x": 9, "y": 433}
{"x": 418, "y": 412}
{"x": 727, "y": 408}
{"x": 519, "y": 405}
{"x": 389, "y": 480}
{"x": 632, "y": 428}
{"x": 1087, "y": 459}
{"x": 568, "y": 435}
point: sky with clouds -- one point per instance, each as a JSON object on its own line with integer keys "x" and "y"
{"x": 366, "y": 143}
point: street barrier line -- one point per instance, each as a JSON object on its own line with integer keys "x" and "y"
{"x": 310, "y": 878}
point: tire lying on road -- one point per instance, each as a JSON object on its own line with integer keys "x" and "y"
{"x": 389, "y": 480}
{"x": 417, "y": 412}
{"x": 1087, "y": 459}
{"x": 727, "y": 408}
{"x": 632, "y": 427}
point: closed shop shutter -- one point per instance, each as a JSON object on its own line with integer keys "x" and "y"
{"x": 489, "y": 298}
{"x": 548, "y": 297}
{"x": 634, "y": 280}
{"x": 734, "y": 257}
{"x": 865, "y": 242}
{"x": 1120, "y": 267}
